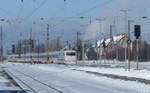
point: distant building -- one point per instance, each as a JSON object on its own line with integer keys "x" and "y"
{"x": 115, "y": 49}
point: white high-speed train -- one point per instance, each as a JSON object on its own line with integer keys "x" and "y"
{"x": 64, "y": 56}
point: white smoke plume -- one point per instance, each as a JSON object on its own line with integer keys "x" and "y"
{"x": 113, "y": 15}
{"x": 101, "y": 26}
{"x": 92, "y": 30}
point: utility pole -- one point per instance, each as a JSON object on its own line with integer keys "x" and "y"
{"x": 104, "y": 50}
{"x": 137, "y": 33}
{"x": 129, "y": 22}
{"x": 19, "y": 48}
{"x": 67, "y": 44}
{"x": 125, "y": 20}
{"x": 129, "y": 42}
{"x": 148, "y": 53}
{"x": 58, "y": 43}
{"x": 100, "y": 30}
{"x": 47, "y": 36}
{"x": 82, "y": 50}
{"x": 30, "y": 44}
{"x": 62, "y": 40}
{"x": 90, "y": 19}
{"x": 111, "y": 27}
{"x": 20, "y": 45}
{"x": 77, "y": 45}
{"x": 137, "y": 57}
{"x": 126, "y": 29}
{"x": 111, "y": 37}
{"x": 1, "y": 34}
{"x": 24, "y": 50}
{"x": 38, "y": 50}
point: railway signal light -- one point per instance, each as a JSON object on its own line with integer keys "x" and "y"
{"x": 2, "y": 19}
{"x": 137, "y": 31}
{"x": 13, "y": 49}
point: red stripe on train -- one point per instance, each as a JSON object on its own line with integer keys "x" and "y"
{"x": 67, "y": 60}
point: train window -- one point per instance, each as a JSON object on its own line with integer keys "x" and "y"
{"x": 70, "y": 53}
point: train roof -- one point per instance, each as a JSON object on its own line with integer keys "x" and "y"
{"x": 45, "y": 53}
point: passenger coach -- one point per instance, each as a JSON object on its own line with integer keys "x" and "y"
{"x": 64, "y": 56}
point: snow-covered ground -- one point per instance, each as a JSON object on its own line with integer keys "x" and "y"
{"x": 145, "y": 74}
{"x": 6, "y": 84}
{"x": 117, "y": 68}
{"x": 114, "y": 64}
{"x": 67, "y": 80}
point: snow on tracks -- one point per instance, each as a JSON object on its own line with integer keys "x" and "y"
{"x": 32, "y": 84}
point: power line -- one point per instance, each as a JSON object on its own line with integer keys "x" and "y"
{"x": 20, "y": 11}
{"x": 86, "y": 11}
{"x": 94, "y": 7}
{"x": 37, "y": 8}
{"x": 6, "y": 12}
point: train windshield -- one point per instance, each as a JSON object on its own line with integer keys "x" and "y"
{"x": 70, "y": 53}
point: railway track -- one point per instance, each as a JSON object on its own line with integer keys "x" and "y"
{"x": 46, "y": 88}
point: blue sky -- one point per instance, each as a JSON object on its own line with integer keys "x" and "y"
{"x": 35, "y": 9}
{"x": 47, "y": 8}
{"x": 20, "y": 16}
{"x": 71, "y": 8}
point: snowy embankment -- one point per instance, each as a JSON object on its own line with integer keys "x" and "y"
{"x": 116, "y": 68}
{"x": 144, "y": 74}
{"x": 68, "y": 80}
{"x": 110, "y": 67}
{"x": 114, "y": 72}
